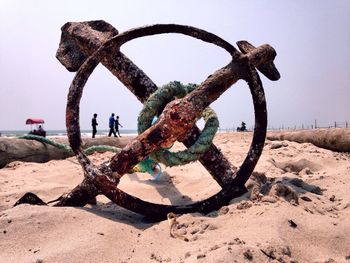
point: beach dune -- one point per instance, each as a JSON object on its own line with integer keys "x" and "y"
{"x": 289, "y": 214}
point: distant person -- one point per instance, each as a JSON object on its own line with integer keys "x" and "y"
{"x": 243, "y": 127}
{"x": 41, "y": 131}
{"x": 111, "y": 126}
{"x": 117, "y": 124}
{"x": 94, "y": 124}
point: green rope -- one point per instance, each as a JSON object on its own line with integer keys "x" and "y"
{"x": 100, "y": 149}
{"x": 198, "y": 149}
{"x": 67, "y": 148}
{"x": 155, "y": 105}
{"x": 158, "y": 100}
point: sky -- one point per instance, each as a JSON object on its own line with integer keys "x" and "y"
{"x": 311, "y": 38}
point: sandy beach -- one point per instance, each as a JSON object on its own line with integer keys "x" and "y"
{"x": 304, "y": 217}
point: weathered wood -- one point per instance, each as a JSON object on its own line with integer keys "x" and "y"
{"x": 15, "y": 149}
{"x": 178, "y": 117}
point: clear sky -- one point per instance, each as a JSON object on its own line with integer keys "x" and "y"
{"x": 311, "y": 37}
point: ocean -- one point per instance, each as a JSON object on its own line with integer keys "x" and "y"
{"x": 84, "y": 133}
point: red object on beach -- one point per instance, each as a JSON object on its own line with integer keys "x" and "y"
{"x": 34, "y": 121}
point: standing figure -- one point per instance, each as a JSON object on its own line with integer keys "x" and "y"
{"x": 243, "y": 127}
{"x": 111, "y": 126}
{"x": 117, "y": 124}
{"x": 94, "y": 124}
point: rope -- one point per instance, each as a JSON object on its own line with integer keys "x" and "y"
{"x": 155, "y": 105}
{"x": 198, "y": 149}
{"x": 147, "y": 165}
{"x": 67, "y": 148}
{"x": 100, "y": 149}
{"x": 48, "y": 141}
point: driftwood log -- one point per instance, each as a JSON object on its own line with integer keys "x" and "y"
{"x": 337, "y": 139}
{"x": 177, "y": 122}
{"x": 15, "y": 149}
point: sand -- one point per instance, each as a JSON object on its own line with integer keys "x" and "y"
{"x": 262, "y": 227}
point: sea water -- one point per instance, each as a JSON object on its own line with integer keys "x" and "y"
{"x": 84, "y": 133}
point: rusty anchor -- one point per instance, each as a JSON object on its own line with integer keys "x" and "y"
{"x": 84, "y": 45}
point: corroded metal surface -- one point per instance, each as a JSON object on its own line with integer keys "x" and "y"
{"x": 176, "y": 121}
{"x": 83, "y": 38}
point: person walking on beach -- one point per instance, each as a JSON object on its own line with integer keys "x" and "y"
{"x": 117, "y": 124}
{"x": 94, "y": 124}
{"x": 111, "y": 126}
